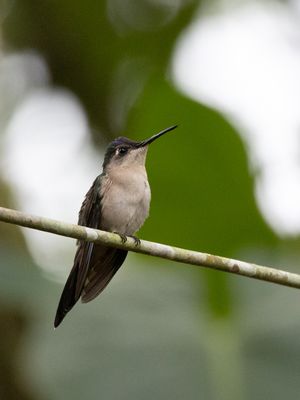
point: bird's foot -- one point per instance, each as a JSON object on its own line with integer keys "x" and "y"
{"x": 123, "y": 237}
{"x": 137, "y": 241}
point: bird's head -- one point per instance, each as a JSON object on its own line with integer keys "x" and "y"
{"x": 125, "y": 152}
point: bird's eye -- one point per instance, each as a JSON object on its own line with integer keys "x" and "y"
{"x": 122, "y": 150}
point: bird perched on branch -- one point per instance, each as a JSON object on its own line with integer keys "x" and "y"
{"x": 118, "y": 201}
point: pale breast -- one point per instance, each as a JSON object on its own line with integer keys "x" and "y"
{"x": 125, "y": 200}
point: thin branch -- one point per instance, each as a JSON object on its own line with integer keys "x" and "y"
{"x": 154, "y": 249}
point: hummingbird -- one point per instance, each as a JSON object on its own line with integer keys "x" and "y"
{"x": 118, "y": 201}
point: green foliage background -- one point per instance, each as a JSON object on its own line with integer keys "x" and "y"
{"x": 160, "y": 330}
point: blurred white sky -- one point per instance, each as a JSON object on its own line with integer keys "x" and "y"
{"x": 244, "y": 61}
{"x": 45, "y": 134}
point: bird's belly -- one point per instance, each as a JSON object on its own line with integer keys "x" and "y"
{"x": 125, "y": 207}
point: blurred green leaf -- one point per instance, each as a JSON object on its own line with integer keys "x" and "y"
{"x": 84, "y": 49}
{"x": 201, "y": 185}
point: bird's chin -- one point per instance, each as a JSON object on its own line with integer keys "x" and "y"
{"x": 139, "y": 155}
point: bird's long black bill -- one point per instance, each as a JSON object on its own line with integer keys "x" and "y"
{"x": 156, "y": 136}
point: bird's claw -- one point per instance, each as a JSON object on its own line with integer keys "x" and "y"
{"x": 123, "y": 237}
{"x": 137, "y": 241}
